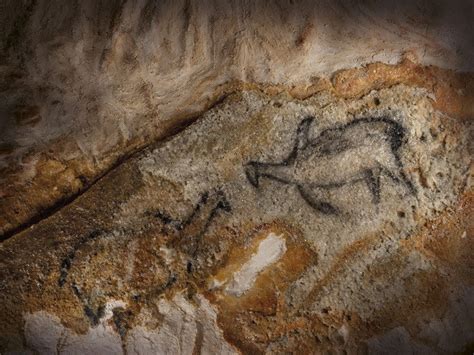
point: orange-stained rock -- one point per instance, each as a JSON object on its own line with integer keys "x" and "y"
{"x": 271, "y": 224}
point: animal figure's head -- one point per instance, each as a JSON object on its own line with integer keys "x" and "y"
{"x": 252, "y": 173}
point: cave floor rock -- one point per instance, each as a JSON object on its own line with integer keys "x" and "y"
{"x": 270, "y": 225}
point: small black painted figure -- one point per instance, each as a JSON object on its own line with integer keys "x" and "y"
{"x": 360, "y": 151}
{"x": 149, "y": 273}
{"x": 190, "y": 230}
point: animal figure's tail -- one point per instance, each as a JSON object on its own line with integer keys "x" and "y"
{"x": 398, "y": 175}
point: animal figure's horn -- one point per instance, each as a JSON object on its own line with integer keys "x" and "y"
{"x": 302, "y": 132}
{"x": 251, "y": 171}
{"x": 302, "y": 138}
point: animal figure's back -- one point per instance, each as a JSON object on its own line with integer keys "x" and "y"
{"x": 356, "y": 133}
{"x": 344, "y": 153}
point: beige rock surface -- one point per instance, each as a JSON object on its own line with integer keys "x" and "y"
{"x": 270, "y": 225}
{"x": 236, "y": 177}
{"x": 85, "y": 84}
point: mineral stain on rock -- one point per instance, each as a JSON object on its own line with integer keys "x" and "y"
{"x": 261, "y": 228}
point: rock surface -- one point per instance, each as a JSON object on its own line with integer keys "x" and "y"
{"x": 84, "y": 84}
{"x": 236, "y": 177}
{"x": 270, "y": 225}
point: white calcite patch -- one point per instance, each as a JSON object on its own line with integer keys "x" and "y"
{"x": 45, "y": 334}
{"x": 175, "y": 335}
{"x": 269, "y": 251}
{"x": 186, "y": 328}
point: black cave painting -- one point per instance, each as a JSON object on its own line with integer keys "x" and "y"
{"x": 67, "y": 261}
{"x": 94, "y": 314}
{"x": 199, "y": 219}
{"x": 381, "y": 133}
{"x": 187, "y": 233}
{"x": 191, "y": 229}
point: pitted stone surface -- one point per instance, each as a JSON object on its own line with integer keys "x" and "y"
{"x": 356, "y": 197}
{"x": 83, "y": 86}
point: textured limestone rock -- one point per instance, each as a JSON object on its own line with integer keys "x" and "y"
{"x": 326, "y": 204}
{"x": 270, "y": 225}
{"x": 86, "y": 83}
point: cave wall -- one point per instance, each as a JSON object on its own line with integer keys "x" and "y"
{"x": 236, "y": 177}
{"x": 88, "y": 82}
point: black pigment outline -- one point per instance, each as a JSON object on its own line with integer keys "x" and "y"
{"x": 178, "y": 225}
{"x": 222, "y": 204}
{"x": 395, "y": 134}
{"x": 94, "y": 316}
{"x": 67, "y": 261}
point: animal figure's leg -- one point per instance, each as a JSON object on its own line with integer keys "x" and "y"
{"x": 321, "y": 206}
{"x": 94, "y": 315}
{"x": 372, "y": 179}
{"x": 409, "y": 185}
{"x": 197, "y": 223}
{"x": 398, "y": 176}
{"x": 396, "y": 173}
{"x": 177, "y": 224}
{"x": 252, "y": 173}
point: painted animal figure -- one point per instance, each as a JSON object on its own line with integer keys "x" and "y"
{"x": 189, "y": 231}
{"x": 360, "y": 151}
{"x": 136, "y": 264}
